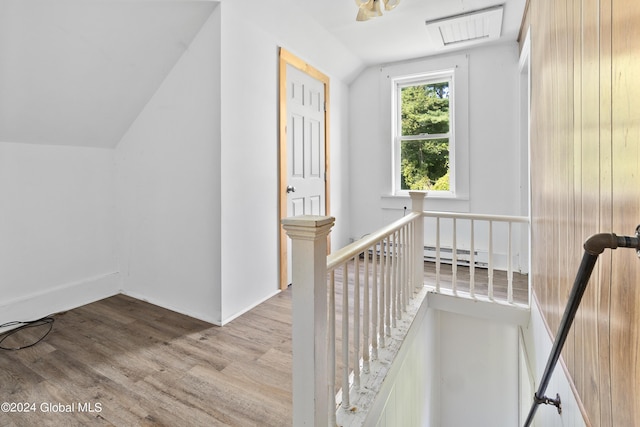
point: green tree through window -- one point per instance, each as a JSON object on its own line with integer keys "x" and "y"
{"x": 424, "y": 136}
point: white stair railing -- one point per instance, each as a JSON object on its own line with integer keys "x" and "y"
{"x": 377, "y": 278}
{"x": 368, "y": 289}
{"x": 490, "y": 238}
{"x": 377, "y": 282}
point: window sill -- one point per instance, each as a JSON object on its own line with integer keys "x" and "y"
{"x": 446, "y": 202}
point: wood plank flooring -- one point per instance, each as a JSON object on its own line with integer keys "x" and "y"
{"x": 136, "y": 364}
{"x": 143, "y": 365}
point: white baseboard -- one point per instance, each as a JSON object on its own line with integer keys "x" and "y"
{"x": 249, "y": 308}
{"x": 213, "y": 319}
{"x": 72, "y": 295}
{"x": 60, "y": 298}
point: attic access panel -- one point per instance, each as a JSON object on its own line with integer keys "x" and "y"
{"x": 467, "y": 28}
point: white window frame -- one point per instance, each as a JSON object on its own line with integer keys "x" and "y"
{"x": 459, "y": 174}
{"x": 422, "y": 79}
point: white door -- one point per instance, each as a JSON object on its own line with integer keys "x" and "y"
{"x": 305, "y": 144}
{"x": 305, "y": 147}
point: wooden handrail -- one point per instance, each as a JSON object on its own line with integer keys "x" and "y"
{"x": 345, "y": 254}
{"x": 476, "y": 217}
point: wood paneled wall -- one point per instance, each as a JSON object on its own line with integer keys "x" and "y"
{"x": 585, "y": 165}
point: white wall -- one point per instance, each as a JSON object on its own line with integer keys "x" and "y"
{"x": 57, "y": 228}
{"x": 168, "y": 182}
{"x": 410, "y": 395}
{"x": 198, "y": 170}
{"x": 493, "y": 143}
{"x": 478, "y": 371}
{"x": 195, "y": 181}
{"x": 454, "y": 368}
{"x": 494, "y": 130}
{"x": 252, "y": 32}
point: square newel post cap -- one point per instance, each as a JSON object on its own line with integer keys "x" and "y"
{"x": 308, "y": 227}
{"x": 417, "y": 200}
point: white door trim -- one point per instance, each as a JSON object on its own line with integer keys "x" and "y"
{"x": 287, "y": 58}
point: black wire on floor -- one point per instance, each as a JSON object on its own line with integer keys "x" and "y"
{"x": 22, "y": 326}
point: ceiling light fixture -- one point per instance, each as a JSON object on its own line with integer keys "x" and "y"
{"x": 371, "y": 8}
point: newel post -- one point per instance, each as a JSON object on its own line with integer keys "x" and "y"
{"x": 417, "y": 206}
{"x": 308, "y": 235}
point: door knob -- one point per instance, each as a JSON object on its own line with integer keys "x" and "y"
{"x": 291, "y": 189}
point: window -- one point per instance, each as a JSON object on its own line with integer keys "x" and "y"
{"x": 428, "y": 141}
{"x": 423, "y": 132}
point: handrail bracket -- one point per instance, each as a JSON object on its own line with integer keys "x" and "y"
{"x": 549, "y": 401}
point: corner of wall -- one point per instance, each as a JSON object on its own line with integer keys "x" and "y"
{"x": 168, "y": 187}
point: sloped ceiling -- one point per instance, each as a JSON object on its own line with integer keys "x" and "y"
{"x": 78, "y": 72}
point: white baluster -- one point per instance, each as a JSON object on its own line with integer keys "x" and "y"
{"x": 410, "y": 256}
{"x": 407, "y": 261}
{"x": 454, "y": 260}
{"x": 382, "y": 298}
{"x": 345, "y": 337}
{"x": 490, "y": 290}
{"x": 398, "y": 276}
{"x": 438, "y": 254}
{"x": 356, "y": 322}
{"x": 374, "y": 303}
{"x": 331, "y": 349}
{"x": 509, "y": 269}
{"x": 472, "y": 264}
{"x": 401, "y": 287}
{"x": 365, "y": 316}
{"x": 381, "y": 293}
{"x": 405, "y": 267}
{"x": 387, "y": 288}
{"x": 393, "y": 283}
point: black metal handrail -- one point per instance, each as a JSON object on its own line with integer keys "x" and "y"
{"x": 593, "y": 247}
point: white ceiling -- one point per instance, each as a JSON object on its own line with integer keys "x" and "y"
{"x": 401, "y": 33}
{"x": 78, "y": 72}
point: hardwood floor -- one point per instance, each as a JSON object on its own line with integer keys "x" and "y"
{"x": 136, "y": 364}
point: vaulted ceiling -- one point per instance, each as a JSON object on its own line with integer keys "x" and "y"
{"x": 78, "y": 72}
